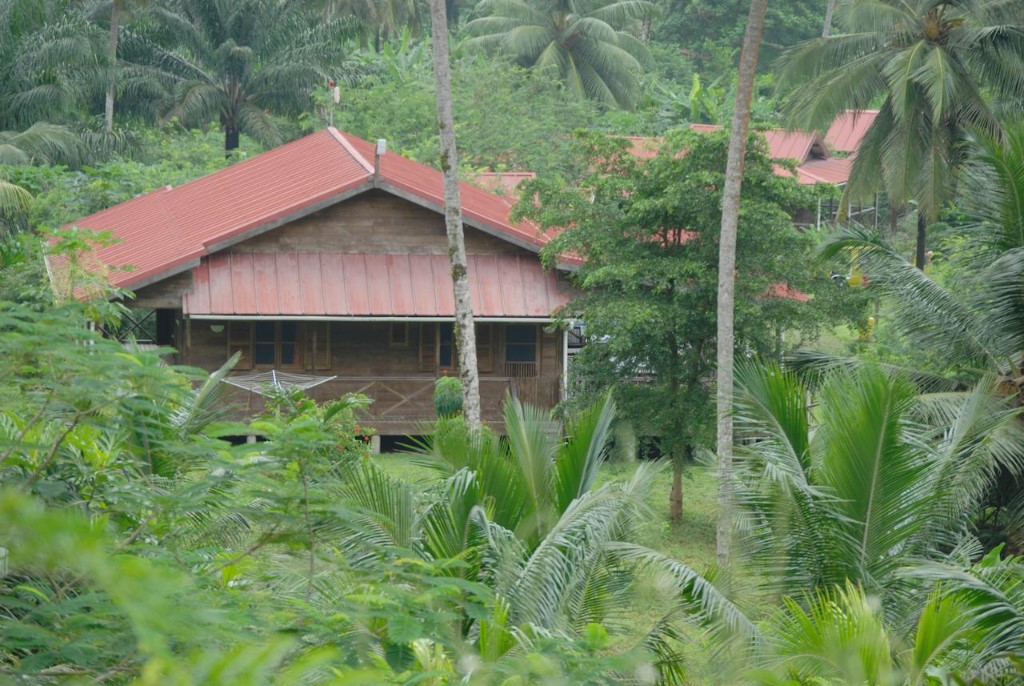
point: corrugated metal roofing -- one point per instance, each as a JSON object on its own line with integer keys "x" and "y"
{"x": 367, "y": 285}
{"x": 832, "y": 170}
{"x": 802, "y": 146}
{"x": 168, "y": 229}
{"x": 848, "y": 129}
{"x": 807, "y": 148}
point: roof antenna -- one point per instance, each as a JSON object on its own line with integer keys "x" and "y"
{"x": 382, "y": 146}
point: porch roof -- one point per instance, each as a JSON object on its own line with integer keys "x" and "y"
{"x": 367, "y": 285}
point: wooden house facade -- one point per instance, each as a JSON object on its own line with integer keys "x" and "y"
{"x": 329, "y": 259}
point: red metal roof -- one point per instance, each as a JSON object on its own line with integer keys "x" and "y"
{"x": 164, "y": 231}
{"x": 367, "y": 285}
{"x": 848, "y": 129}
{"x": 802, "y": 146}
{"x": 832, "y": 170}
{"x": 807, "y": 148}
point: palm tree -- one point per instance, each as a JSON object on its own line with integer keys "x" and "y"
{"x": 379, "y": 20}
{"x": 115, "y": 11}
{"x": 51, "y": 66}
{"x": 875, "y": 478}
{"x": 465, "y": 331}
{"x": 965, "y": 631}
{"x": 726, "y": 302}
{"x": 526, "y": 517}
{"x": 240, "y": 61}
{"x": 583, "y": 41}
{"x": 976, "y": 318}
{"x": 40, "y": 144}
{"x": 934, "y": 64}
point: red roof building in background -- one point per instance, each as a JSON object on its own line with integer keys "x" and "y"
{"x": 848, "y": 130}
{"x": 819, "y": 159}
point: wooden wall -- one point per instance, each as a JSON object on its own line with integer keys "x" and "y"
{"x": 365, "y": 358}
{"x": 374, "y": 222}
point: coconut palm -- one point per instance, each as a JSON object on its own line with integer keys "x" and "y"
{"x": 960, "y": 635}
{"x": 976, "y": 319}
{"x": 585, "y": 42}
{"x": 725, "y": 308}
{"x": 874, "y": 478}
{"x": 934, "y": 64}
{"x": 239, "y": 61}
{"x": 526, "y": 518}
{"x": 115, "y": 12}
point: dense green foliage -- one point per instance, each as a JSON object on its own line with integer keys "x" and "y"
{"x": 879, "y": 508}
{"x": 646, "y": 231}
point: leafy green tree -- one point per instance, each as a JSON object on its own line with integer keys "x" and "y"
{"x": 647, "y": 235}
{"x": 585, "y": 42}
{"x": 236, "y": 62}
{"x": 934, "y": 66}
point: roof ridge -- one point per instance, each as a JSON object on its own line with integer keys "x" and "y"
{"x": 350, "y": 149}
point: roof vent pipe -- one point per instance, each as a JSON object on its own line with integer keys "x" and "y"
{"x": 382, "y": 146}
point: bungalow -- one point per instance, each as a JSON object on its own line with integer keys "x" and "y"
{"x": 327, "y": 257}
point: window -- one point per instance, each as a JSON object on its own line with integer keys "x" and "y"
{"x": 398, "y": 336}
{"x": 446, "y": 345}
{"x": 520, "y": 343}
{"x": 265, "y": 344}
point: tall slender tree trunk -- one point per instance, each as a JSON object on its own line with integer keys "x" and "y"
{"x": 727, "y": 269}
{"x": 115, "y": 28}
{"x": 826, "y": 29}
{"x": 465, "y": 334}
{"x": 675, "y": 496}
{"x": 922, "y": 230}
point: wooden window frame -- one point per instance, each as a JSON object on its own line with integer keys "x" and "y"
{"x": 484, "y": 348}
{"x": 248, "y": 347}
{"x": 521, "y": 367}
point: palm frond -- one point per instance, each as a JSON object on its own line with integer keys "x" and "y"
{"x": 583, "y": 452}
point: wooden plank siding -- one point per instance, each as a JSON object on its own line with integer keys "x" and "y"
{"x": 398, "y": 377}
{"x": 373, "y": 223}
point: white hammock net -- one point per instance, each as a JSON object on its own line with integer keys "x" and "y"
{"x": 273, "y": 381}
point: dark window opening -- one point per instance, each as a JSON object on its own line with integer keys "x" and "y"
{"x": 446, "y": 344}
{"x": 520, "y": 343}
